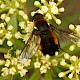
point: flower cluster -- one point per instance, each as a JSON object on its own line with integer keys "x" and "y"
{"x": 11, "y": 65}
{"x": 44, "y": 62}
{"x": 13, "y": 20}
{"x": 14, "y": 27}
{"x": 50, "y": 10}
{"x": 72, "y": 63}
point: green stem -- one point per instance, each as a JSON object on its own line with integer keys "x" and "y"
{"x": 35, "y": 75}
{"x": 48, "y": 75}
{"x": 54, "y": 17}
{"x": 77, "y": 77}
{"x": 57, "y": 70}
{"x": 59, "y": 3}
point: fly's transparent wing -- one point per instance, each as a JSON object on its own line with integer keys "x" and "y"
{"x": 30, "y": 47}
{"x": 65, "y": 36}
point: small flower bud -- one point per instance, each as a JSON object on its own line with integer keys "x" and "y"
{"x": 61, "y": 74}
{"x": 5, "y": 71}
{"x": 44, "y": 9}
{"x": 17, "y": 35}
{"x": 78, "y": 43}
{"x": 77, "y": 71}
{"x": 54, "y": 62}
{"x": 70, "y": 75}
{"x": 71, "y": 67}
{"x": 22, "y": 25}
{"x": 14, "y": 61}
{"x": 32, "y": 13}
{"x": 17, "y": 52}
{"x": 9, "y": 43}
{"x": 71, "y": 27}
{"x": 37, "y": 64}
{"x": 54, "y": 10}
{"x": 2, "y": 62}
{"x": 3, "y": 16}
{"x": 73, "y": 58}
{"x": 63, "y": 63}
{"x": 37, "y": 3}
{"x": 43, "y": 69}
{"x": 7, "y": 56}
{"x": 21, "y": 13}
{"x": 10, "y": 27}
{"x": 11, "y": 10}
{"x": 25, "y": 17}
{"x": 56, "y": 53}
{"x": 7, "y": 19}
{"x": 16, "y": 4}
{"x": 48, "y": 16}
{"x": 2, "y": 6}
{"x": 7, "y": 63}
{"x": 61, "y": 9}
{"x": 58, "y": 21}
{"x": 1, "y": 31}
{"x": 72, "y": 47}
{"x": 66, "y": 56}
{"x": 2, "y": 25}
{"x": 12, "y": 70}
{"x": 23, "y": 72}
{"x": 47, "y": 56}
{"x": 8, "y": 35}
{"x": 39, "y": 11}
{"x": 20, "y": 66}
{"x": 77, "y": 30}
{"x": 52, "y": 4}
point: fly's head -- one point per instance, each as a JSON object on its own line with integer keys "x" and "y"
{"x": 37, "y": 16}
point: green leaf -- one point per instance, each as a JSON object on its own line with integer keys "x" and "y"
{"x": 14, "y": 23}
{"x": 18, "y": 44}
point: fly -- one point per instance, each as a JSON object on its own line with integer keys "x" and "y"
{"x": 49, "y": 41}
{"x": 46, "y": 40}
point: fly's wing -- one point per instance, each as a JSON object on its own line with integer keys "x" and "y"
{"x": 65, "y": 36}
{"x": 30, "y": 47}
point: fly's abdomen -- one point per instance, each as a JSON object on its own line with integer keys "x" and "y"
{"x": 48, "y": 43}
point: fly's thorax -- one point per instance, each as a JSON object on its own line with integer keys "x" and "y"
{"x": 42, "y": 25}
